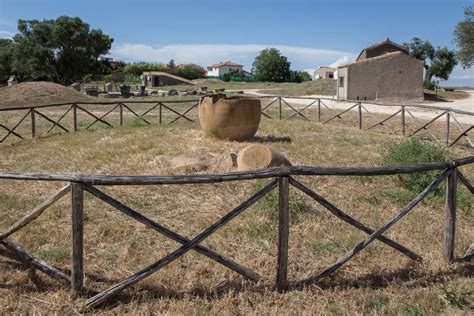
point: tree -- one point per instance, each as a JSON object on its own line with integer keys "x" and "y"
{"x": 464, "y": 38}
{"x": 270, "y": 65}
{"x": 5, "y": 58}
{"x": 300, "y": 76}
{"x": 62, "y": 50}
{"x": 422, "y": 50}
{"x": 438, "y": 62}
{"x": 171, "y": 64}
{"x": 190, "y": 71}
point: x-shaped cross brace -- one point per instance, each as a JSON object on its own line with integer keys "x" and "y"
{"x": 12, "y": 130}
{"x": 187, "y": 244}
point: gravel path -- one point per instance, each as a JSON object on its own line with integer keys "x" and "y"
{"x": 462, "y": 104}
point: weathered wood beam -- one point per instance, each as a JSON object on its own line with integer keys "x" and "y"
{"x": 170, "y": 234}
{"x": 184, "y": 113}
{"x": 59, "y": 120}
{"x": 465, "y": 181}
{"x": 350, "y": 220}
{"x": 450, "y": 216}
{"x": 51, "y": 120}
{"x": 28, "y": 259}
{"x": 102, "y": 116}
{"x": 101, "y": 297}
{"x": 94, "y": 116}
{"x": 238, "y": 176}
{"x": 35, "y": 213}
{"x": 283, "y": 233}
{"x": 382, "y": 229}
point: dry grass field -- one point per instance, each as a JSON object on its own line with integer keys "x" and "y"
{"x": 377, "y": 281}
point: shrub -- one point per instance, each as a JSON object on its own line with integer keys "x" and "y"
{"x": 415, "y": 151}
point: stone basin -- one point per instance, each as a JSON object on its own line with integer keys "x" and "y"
{"x": 233, "y": 118}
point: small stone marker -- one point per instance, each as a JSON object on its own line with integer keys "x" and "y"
{"x": 260, "y": 156}
{"x": 108, "y": 87}
{"x": 125, "y": 91}
{"x": 12, "y": 80}
{"x": 173, "y": 92}
{"x": 76, "y": 86}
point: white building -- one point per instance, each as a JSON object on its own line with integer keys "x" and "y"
{"x": 324, "y": 73}
{"x": 222, "y": 68}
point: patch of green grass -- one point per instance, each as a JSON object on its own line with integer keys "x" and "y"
{"x": 452, "y": 295}
{"x": 406, "y": 309}
{"x": 348, "y": 139}
{"x": 415, "y": 151}
{"x": 333, "y": 245}
{"x": 399, "y": 195}
{"x": 269, "y": 204}
{"x": 377, "y": 302}
{"x": 263, "y": 230}
{"x": 54, "y": 254}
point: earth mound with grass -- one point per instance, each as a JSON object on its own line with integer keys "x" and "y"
{"x": 206, "y": 81}
{"x": 27, "y": 94}
{"x": 315, "y": 87}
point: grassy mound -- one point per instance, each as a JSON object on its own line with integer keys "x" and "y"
{"x": 316, "y": 87}
{"x": 27, "y": 94}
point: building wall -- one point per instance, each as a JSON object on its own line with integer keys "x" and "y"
{"x": 214, "y": 72}
{"x": 378, "y": 51}
{"x": 396, "y": 76}
{"x": 342, "y": 83}
{"x": 151, "y": 81}
{"x": 323, "y": 73}
{"x": 220, "y": 71}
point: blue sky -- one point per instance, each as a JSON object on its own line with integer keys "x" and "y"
{"x": 309, "y": 33}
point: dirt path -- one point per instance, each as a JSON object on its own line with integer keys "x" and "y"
{"x": 462, "y": 104}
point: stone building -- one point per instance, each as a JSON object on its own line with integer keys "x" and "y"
{"x": 383, "y": 71}
{"x": 324, "y": 73}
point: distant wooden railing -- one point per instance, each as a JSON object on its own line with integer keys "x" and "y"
{"x": 318, "y": 104}
{"x": 282, "y": 177}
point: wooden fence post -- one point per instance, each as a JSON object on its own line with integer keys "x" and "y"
{"x": 319, "y": 110}
{"x": 161, "y": 113}
{"x": 450, "y": 216}
{"x": 77, "y": 221}
{"x": 446, "y": 135}
{"x": 283, "y": 233}
{"x": 33, "y": 122}
{"x": 121, "y": 113}
{"x": 359, "y": 108}
{"x": 403, "y": 121}
{"x": 279, "y": 108}
{"x": 74, "y": 116}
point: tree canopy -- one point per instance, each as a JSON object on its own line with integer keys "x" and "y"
{"x": 271, "y": 66}
{"x": 188, "y": 71}
{"x": 438, "y": 62}
{"x": 464, "y": 38}
{"x": 61, "y": 50}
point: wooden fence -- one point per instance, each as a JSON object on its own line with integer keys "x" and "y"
{"x": 282, "y": 177}
{"x": 402, "y": 113}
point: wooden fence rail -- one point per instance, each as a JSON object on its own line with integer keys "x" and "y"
{"x": 449, "y": 137}
{"x": 283, "y": 177}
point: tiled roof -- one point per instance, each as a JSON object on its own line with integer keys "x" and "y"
{"x": 225, "y": 63}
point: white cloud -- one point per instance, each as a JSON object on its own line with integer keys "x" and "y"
{"x": 342, "y": 61}
{"x": 6, "y": 34}
{"x": 460, "y": 77}
{"x": 206, "y": 54}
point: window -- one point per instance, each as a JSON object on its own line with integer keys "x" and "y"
{"x": 330, "y": 75}
{"x": 341, "y": 82}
